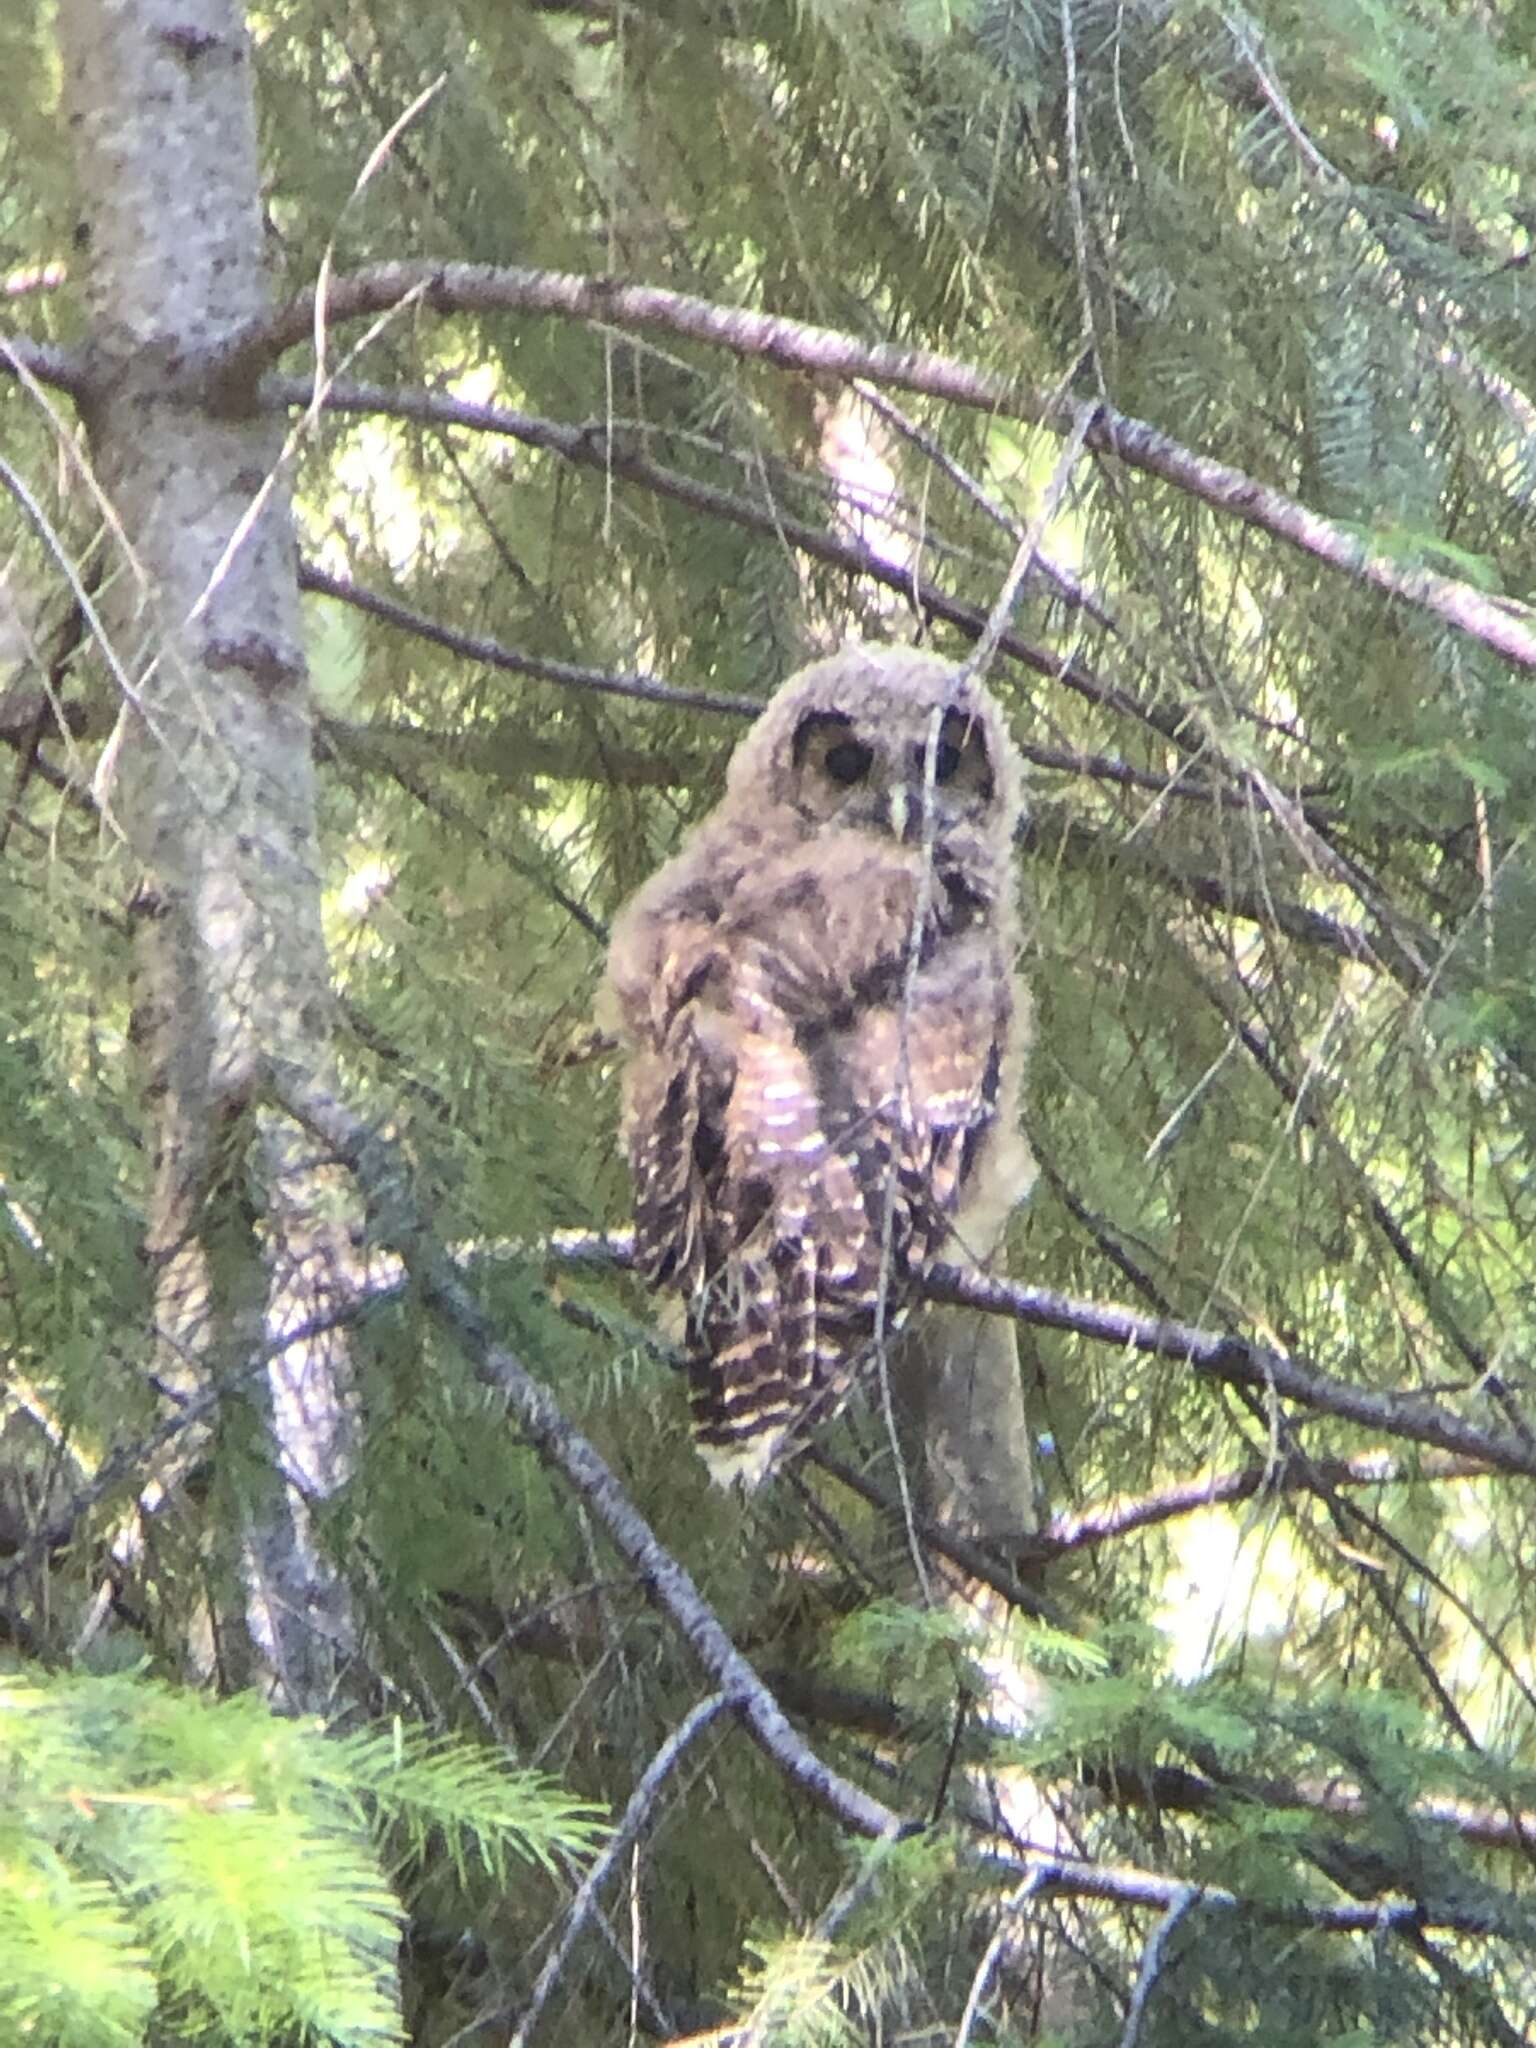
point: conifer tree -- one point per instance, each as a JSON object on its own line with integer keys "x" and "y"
{"x": 429, "y": 434}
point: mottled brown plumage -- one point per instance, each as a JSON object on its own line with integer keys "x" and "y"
{"x": 825, "y": 1035}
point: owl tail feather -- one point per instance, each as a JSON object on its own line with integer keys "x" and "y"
{"x": 784, "y": 1366}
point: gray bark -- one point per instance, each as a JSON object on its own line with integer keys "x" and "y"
{"x": 208, "y": 777}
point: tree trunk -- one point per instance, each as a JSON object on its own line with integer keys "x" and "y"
{"x": 208, "y": 779}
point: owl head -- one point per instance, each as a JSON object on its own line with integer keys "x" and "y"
{"x": 850, "y": 742}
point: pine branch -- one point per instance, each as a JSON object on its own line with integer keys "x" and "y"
{"x": 1066, "y": 586}
{"x": 1181, "y": 725}
{"x": 233, "y": 371}
{"x": 1213, "y": 1354}
{"x": 500, "y": 750}
{"x": 495, "y": 654}
{"x": 592, "y": 448}
{"x": 972, "y": 1557}
{"x": 1304, "y": 1107}
{"x": 1167, "y": 1788}
{"x": 1085, "y": 845}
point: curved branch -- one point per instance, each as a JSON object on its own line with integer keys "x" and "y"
{"x": 1115, "y": 1518}
{"x": 1219, "y": 1356}
{"x": 395, "y": 1219}
{"x": 234, "y": 370}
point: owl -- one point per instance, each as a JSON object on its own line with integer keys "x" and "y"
{"x": 824, "y": 1037}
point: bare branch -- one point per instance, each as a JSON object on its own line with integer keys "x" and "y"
{"x": 1125, "y": 1885}
{"x": 1083, "y": 844}
{"x": 1219, "y": 1356}
{"x": 822, "y": 351}
{"x": 501, "y": 750}
{"x": 624, "y": 1836}
{"x": 1152, "y": 1960}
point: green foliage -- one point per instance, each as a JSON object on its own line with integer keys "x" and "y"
{"x": 1282, "y": 882}
{"x": 168, "y": 1861}
{"x": 825, "y": 1988}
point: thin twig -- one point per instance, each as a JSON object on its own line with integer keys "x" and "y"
{"x": 979, "y": 661}
{"x": 1066, "y": 586}
{"x": 625, "y": 1835}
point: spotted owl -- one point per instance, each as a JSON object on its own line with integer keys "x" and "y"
{"x": 824, "y": 1038}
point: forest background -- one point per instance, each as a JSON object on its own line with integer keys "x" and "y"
{"x": 429, "y": 433}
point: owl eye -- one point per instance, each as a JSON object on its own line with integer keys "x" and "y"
{"x": 848, "y": 762}
{"x": 825, "y": 740}
{"x": 961, "y": 751}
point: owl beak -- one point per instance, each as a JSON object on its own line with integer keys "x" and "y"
{"x": 904, "y": 808}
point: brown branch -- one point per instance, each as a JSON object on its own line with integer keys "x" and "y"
{"x": 234, "y": 370}
{"x": 1293, "y": 1473}
{"x": 1066, "y": 586}
{"x": 1300, "y": 1101}
{"x": 396, "y": 1223}
{"x": 1211, "y": 1353}
{"x": 1173, "y": 1788}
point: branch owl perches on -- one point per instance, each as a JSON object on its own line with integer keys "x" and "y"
{"x": 825, "y": 1038}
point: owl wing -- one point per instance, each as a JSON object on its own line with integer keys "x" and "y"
{"x": 861, "y": 1084}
